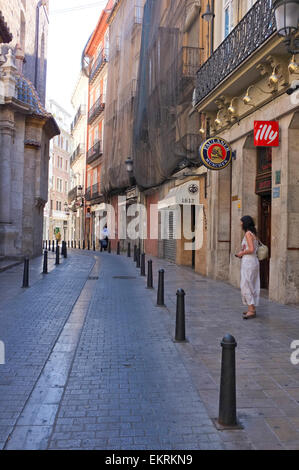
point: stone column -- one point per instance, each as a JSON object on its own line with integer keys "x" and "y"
{"x": 6, "y": 133}
{"x": 7, "y": 230}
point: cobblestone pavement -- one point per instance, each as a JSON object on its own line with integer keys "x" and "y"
{"x": 90, "y": 363}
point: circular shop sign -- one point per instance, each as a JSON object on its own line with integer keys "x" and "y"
{"x": 216, "y": 153}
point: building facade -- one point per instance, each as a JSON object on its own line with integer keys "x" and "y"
{"x": 78, "y": 159}
{"x": 251, "y": 73}
{"x": 125, "y": 28}
{"x": 56, "y": 217}
{"x": 97, "y": 51}
{"x": 28, "y": 23}
{"x": 26, "y": 128}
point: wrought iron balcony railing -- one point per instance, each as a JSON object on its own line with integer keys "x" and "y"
{"x": 72, "y": 195}
{"x": 81, "y": 112}
{"x": 80, "y": 150}
{"x": 254, "y": 29}
{"x": 95, "y": 191}
{"x": 95, "y": 152}
{"x": 99, "y": 63}
{"x": 88, "y": 194}
{"x": 96, "y": 109}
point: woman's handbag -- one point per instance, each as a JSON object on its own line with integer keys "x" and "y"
{"x": 262, "y": 252}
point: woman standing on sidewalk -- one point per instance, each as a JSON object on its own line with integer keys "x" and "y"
{"x": 250, "y": 268}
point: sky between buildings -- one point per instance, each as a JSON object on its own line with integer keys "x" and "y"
{"x": 69, "y": 31}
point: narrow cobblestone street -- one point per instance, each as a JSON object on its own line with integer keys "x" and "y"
{"x": 91, "y": 364}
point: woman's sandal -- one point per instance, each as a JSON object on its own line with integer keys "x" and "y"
{"x": 249, "y": 317}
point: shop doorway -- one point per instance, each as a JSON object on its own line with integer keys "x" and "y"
{"x": 265, "y": 236}
{"x": 193, "y": 225}
{"x": 264, "y": 190}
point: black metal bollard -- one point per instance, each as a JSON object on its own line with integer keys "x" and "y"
{"x": 26, "y": 273}
{"x": 118, "y": 248}
{"x": 49, "y": 249}
{"x": 57, "y": 255}
{"x": 94, "y": 246}
{"x": 45, "y": 266}
{"x": 138, "y": 258}
{"x": 72, "y": 244}
{"x": 150, "y": 275}
{"x": 75, "y": 244}
{"x": 88, "y": 245}
{"x": 228, "y": 403}
{"x": 79, "y": 246}
{"x": 142, "y": 270}
{"x": 160, "y": 295}
{"x": 129, "y": 250}
{"x": 53, "y": 246}
{"x": 180, "y": 331}
{"x": 65, "y": 250}
{"x": 109, "y": 247}
{"x": 135, "y": 253}
{"x": 83, "y": 248}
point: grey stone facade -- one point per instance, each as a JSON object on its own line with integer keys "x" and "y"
{"x": 28, "y": 23}
{"x": 25, "y": 129}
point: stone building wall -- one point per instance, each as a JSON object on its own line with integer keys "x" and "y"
{"x": 28, "y": 23}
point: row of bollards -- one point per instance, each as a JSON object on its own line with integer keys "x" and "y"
{"x": 227, "y": 418}
{"x": 45, "y": 259}
{"x": 50, "y": 246}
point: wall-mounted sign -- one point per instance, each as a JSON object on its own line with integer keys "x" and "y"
{"x": 266, "y": 134}
{"x": 278, "y": 177}
{"x": 193, "y": 189}
{"x": 276, "y": 193}
{"x": 264, "y": 184}
{"x": 216, "y": 153}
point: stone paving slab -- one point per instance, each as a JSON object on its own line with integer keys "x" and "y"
{"x": 126, "y": 384}
{"x": 267, "y": 382}
{"x": 128, "y": 387}
{"x": 30, "y": 323}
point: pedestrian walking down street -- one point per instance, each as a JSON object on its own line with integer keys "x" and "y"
{"x": 104, "y": 238}
{"x": 250, "y": 268}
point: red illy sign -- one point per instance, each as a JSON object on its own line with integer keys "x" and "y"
{"x": 266, "y": 133}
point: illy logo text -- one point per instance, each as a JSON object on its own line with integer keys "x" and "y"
{"x": 266, "y": 133}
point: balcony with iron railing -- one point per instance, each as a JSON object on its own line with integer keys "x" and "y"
{"x": 72, "y": 195}
{"x": 80, "y": 150}
{"x": 98, "y": 64}
{"x": 95, "y": 191}
{"x": 81, "y": 112}
{"x": 94, "y": 152}
{"x": 96, "y": 109}
{"x": 257, "y": 26}
{"x": 88, "y": 194}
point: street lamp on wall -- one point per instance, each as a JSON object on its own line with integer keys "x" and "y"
{"x": 130, "y": 169}
{"x": 80, "y": 191}
{"x": 209, "y": 16}
{"x": 66, "y": 209}
{"x": 287, "y": 20}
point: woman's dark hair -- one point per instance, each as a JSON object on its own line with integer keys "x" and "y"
{"x": 248, "y": 224}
